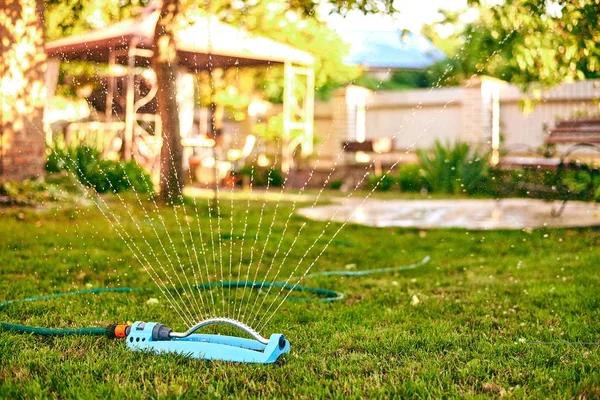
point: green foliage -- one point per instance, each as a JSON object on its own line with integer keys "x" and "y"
{"x": 58, "y": 159}
{"x": 411, "y": 178}
{"x": 583, "y": 184}
{"x": 260, "y": 176}
{"x": 336, "y": 184}
{"x": 407, "y": 80}
{"x": 434, "y": 76}
{"x": 460, "y": 169}
{"x": 280, "y": 21}
{"x": 382, "y": 183}
{"x": 304, "y": 8}
{"x": 314, "y": 37}
{"x": 271, "y": 130}
{"x": 253, "y": 174}
{"x": 578, "y": 181}
{"x": 71, "y": 17}
{"x": 308, "y": 7}
{"x": 33, "y": 192}
{"x": 102, "y": 175}
{"x": 455, "y": 168}
{"x": 274, "y": 177}
{"x": 27, "y": 192}
{"x": 526, "y": 41}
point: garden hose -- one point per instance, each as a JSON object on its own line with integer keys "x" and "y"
{"x": 121, "y": 330}
{"x": 110, "y": 331}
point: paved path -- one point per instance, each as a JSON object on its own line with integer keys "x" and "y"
{"x": 469, "y": 214}
{"x": 257, "y": 194}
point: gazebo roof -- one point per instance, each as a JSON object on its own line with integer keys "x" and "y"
{"x": 227, "y": 46}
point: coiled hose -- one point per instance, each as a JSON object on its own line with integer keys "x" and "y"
{"x": 325, "y": 295}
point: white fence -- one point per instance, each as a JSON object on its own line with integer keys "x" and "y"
{"x": 566, "y": 101}
{"x": 416, "y": 118}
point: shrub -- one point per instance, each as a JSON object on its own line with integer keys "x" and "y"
{"x": 57, "y": 159}
{"x": 274, "y": 177}
{"x": 103, "y": 175}
{"x": 381, "y": 183}
{"x": 260, "y": 176}
{"x": 455, "y": 169}
{"x": 583, "y": 184}
{"x": 411, "y": 178}
{"x": 253, "y": 174}
{"x": 34, "y": 192}
{"x": 578, "y": 183}
{"x": 27, "y": 192}
{"x": 336, "y": 184}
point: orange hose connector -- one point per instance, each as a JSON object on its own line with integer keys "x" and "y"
{"x": 117, "y": 330}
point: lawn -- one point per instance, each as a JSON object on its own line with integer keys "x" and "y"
{"x": 485, "y": 301}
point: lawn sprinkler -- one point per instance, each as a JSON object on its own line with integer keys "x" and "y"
{"x": 157, "y": 338}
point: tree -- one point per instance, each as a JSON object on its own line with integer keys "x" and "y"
{"x": 22, "y": 89}
{"x": 529, "y": 42}
{"x": 165, "y": 66}
{"x": 71, "y": 17}
{"x": 274, "y": 19}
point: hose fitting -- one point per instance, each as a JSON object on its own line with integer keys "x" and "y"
{"x": 114, "y": 331}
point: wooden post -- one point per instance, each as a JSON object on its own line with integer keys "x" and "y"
{"x": 309, "y": 107}
{"x": 129, "y": 105}
{"x": 110, "y": 90}
{"x": 288, "y": 93}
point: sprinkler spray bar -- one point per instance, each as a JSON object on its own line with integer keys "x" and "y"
{"x": 122, "y": 330}
{"x": 158, "y": 338}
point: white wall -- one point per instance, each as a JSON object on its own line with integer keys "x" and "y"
{"x": 416, "y": 118}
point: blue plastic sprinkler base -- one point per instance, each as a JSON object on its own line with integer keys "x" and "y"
{"x": 156, "y": 337}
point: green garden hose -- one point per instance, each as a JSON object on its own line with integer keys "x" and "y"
{"x": 325, "y": 295}
{"x": 92, "y": 331}
{"x": 60, "y": 331}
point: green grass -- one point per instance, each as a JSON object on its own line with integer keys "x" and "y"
{"x": 483, "y": 298}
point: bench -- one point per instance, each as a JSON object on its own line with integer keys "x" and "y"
{"x": 577, "y": 134}
{"x": 575, "y": 131}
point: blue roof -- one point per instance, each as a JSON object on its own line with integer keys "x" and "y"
{"x": 391, "y": 49}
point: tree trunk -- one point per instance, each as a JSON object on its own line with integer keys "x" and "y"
{"x": 22, "y": 89}
{"x": 165, "y": 66}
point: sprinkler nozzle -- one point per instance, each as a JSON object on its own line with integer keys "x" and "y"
{"x": 161, "y": 332}
{"x": 282, "y": 342}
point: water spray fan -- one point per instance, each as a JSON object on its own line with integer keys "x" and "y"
{"x": 155, "y": 337}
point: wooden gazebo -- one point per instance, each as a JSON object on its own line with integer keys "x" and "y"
{"x": 202, "y": 43}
